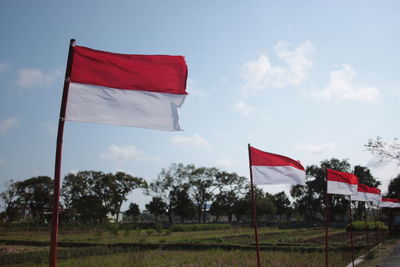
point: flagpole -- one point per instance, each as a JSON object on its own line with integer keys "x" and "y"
{"x": 57, "y": 169}
{"x": 254, "y": 209}
{"x": 366, "y": 222}
{"x": 326, "y": 219}
{"x": 376, "y": 226}
{"x": 382, "y": 233}
{"x": 351, "y": 233}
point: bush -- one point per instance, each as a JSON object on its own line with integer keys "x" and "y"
{"x": 199, "y": 227}
{"x": 360, "y": 226}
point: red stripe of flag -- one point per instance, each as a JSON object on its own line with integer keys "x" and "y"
{"x": 261, "y": 158}
{"x": 342, "y": 177}
{"x": 155, "y": 73}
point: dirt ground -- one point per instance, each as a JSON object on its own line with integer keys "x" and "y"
{"x": 385, "y": 255}
{"x": 7, "y": 249}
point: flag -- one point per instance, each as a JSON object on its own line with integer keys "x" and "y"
{"x": 341, "y": 183}
{"x": 367, "y": 194}
{"x": 389, "y": 203}
{"x": 374, "y": 195}
{"x": 268, "y": 168}
{"x": 144, "y": 91}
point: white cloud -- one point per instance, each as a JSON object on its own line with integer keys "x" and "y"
{"x": 193, "y": 88}
{"x": 126, "y": 153}
{"x": 244, "y": 108}
{"x": 7, "y": 124}
{"x": 51, "y": 128}
{"x": 195, "y": 141}
{"x": 315, "y": 148}
{"x": 3, "y": 67}
{"x": 342, "y": 86}
{"x": 31, "y": 78}
{"x": 260, "y": 74}
{"x": 226, "y": 164}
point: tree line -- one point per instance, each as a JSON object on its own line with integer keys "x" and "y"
{"x": 181, "y": 191}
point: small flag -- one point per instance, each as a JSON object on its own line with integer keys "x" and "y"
{"x": 367, "y": 194}
{"x": 268, "y": 168}
{"x": 341, "y": 183}
{"x": 389, "y": 203}
{"x": 143, "y": 91}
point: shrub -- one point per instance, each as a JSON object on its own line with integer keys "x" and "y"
{"x": 199, "y": 227}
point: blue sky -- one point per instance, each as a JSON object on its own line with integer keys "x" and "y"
{"x": 307, "y": 79}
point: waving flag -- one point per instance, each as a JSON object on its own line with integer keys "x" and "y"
{"x": 390, "y": 203}
{"x": 367, "y": 194}
{"x": 143, "y": 91}
{"x": 268, "y": 168}
{"x": 341, "y": 183}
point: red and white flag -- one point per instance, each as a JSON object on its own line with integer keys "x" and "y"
{"x": 143, "y": 91}
{"x": 268, "y": 168}
{"x": 341, "y": 183}
{"x": 389, "y": 203}
{"x": 367, "y": 194}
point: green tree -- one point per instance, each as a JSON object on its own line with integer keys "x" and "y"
{"x": 365, "y": 177}
{"x": 310, "y": 199}
{"x": 264, "y": 203}
{"x": 241, "y": 208}
{"x": 36, "y": 193}
{"x": 10, "y": 201}
{"x": 80, "y": 197}
{"x": 177, "y": 175}
{"x": 181, "y": 203}
{"x": 394, "y": 188}
{"x": 114, "y": 189}
{"x": 230, "y": 186}
{"x": 282, "y": 204}
{"x": 157, "y": 207}
{"x": 202, "y": 182}
{"x": 133, "y": 210}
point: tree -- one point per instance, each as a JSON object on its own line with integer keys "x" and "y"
{"x": 230, "y": 186}
{"x": 310, "y": 199}
{"x": 394, "y": 188}
{"x": 80, "y": 197}
{"x": 177, "y": 175}
{"x": 157, "y": 207}
{"x": 202, "y": 182}
{"x": 365, "y": 177}
{"x": 241, "y": 208}
{"x": 282, "y": 204}
{"x": 181, "y": 203}
{"x": 133, "y": 210}
{"x": 104, "y": 193}
{"x": 386, "y": 151}
{"x": 11, "y": 202}
{"x": 114, "y": 188}
{"x": 36, "y": 193}
{"x": 264, "y": 203}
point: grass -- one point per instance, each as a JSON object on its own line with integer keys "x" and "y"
{"x": 207, "y": 258}
{"x": 300, "y": 245}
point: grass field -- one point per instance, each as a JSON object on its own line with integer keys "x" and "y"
{"x": 222, "y": 247}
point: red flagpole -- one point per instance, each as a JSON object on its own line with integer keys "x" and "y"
{"x": 57, "y": 170}
{"x": 351, "y": 233}
{"x": 326, "y": 220}
{"x": 254, "y": 209}
{"x": 366, "y": 222}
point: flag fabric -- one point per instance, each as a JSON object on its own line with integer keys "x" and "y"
{"x": 367, "y": 194}
{"x": 268, "y": 168}
{"x": 144, "y": 91}
{"x": 341, "y": 183}
{"x": 390, "y": 203}
{"x": 374, "y": 195}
